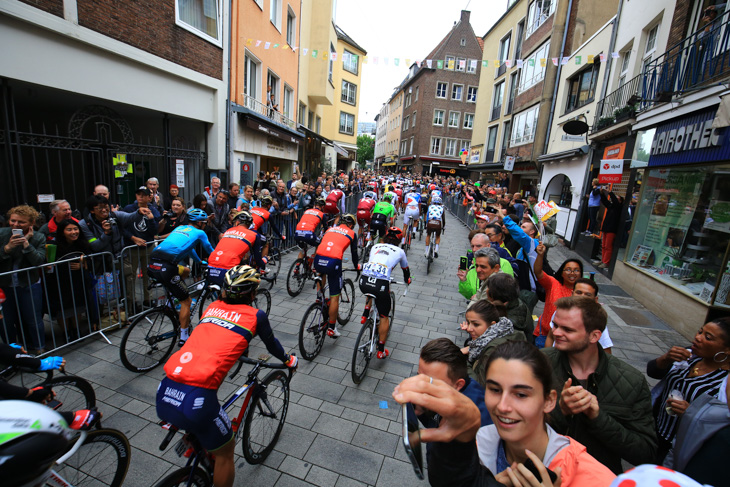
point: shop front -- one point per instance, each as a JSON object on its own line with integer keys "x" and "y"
{"x": 524, "y": 178}
{"x": 406, "y": 164}
{"x": 677, "y": 255}
{"x": 435, "y": 166}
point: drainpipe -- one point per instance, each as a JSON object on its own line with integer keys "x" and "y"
{"x": 228, "y": 99}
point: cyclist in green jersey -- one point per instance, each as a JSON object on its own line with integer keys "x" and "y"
{"x": 383, "y": 216}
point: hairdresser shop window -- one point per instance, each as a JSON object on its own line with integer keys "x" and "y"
{"x": 682, "y": 228}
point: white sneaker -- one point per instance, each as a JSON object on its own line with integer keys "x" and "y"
{"x": 333, "y": 332}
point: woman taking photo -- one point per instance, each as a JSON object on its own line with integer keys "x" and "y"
{"x": 487, "y": 328}
{"x": 686, "y": 374}
{"x": 557, "y": 287}
{"x": 173, "y": 219}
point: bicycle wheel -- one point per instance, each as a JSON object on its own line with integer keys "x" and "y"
{"x": 347, "y": 302}
{"x": 275, "y": 260}
{"x": 391, "y": 316}
{"x": 149, "y": 340}
{"x": 296, "y": 278}
{"x": 312, "y": 332}
{"x": 73, "y": 393}
{"x": 265, "y": 417}
{"x": 186, "y": 476}
{"x": 363, "y": 352}
{"x": 102, "y": 459}
{"x": 262, "y": 301}
{"x": 208, "y": 297}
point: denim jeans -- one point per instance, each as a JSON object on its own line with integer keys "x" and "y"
{"x": 28, "y": 326}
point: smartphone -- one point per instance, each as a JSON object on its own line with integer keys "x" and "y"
{"x": 412, "y": 439}
{"x": 17, "y": 231}
{"x": 463, "y": 263}
{"x": 530, "y": 465}
{"x": 491, "y": 210}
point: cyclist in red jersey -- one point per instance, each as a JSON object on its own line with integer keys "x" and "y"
{"x": 335, "y": 204}
{"x": 365, "y": 211}
{"x": 328, "y": 263}
{"x": 308, "y": 227}
{"x": 187, "y": 396}
{"x": 399, "y": 203}
{"x": 233, "y": 246}
{"x": 261, "y": 216}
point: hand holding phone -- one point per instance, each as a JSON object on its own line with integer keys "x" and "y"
{"x": 412, "y": 439}
{"x": 463, "y": 263}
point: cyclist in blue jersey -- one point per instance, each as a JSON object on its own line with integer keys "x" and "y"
{"x": 165, "y": 261}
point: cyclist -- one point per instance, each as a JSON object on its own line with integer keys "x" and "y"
{"x": 165, "y": 262}
{"x": 383, "y": 216}
{"x": 328, "y": 263}
{"x": 412, "y": 211}
{"x": 233, "y": 246}
{"x": 375, "y": 280}
{"x": 308, "y": 227}
{"x": 261, "y": 215}
{"x": 399, "y": 198}
{"x": 435, "y": 222}
{"x": 187, "y": 396}
{"x": 335, "y": 205}
{"x": 365, "y": 211}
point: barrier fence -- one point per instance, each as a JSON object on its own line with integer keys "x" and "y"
{"x": 454, "y": 203}
{"x": 53, "y": 305}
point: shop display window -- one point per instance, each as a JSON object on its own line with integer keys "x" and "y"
{"x": 682, "y": 229}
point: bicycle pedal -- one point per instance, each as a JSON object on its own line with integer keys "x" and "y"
{"x": 181, "y": 448}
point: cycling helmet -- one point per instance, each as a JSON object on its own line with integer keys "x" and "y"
{"x": 197, "y": 215}
{"x": 240, "y": 281}
{"x": 369, "y": 194}
{"x": 394, "y": 233}
{"x": 32, "y": 438}
{"x": 244, "y": 218}
{"x": 266, "y": 200}
{"x": 340, "y": 186}
{"x": 436, "y": 200}
{"x": 349, "y": 219}
{"x": 321, "y": 201}
{"x": 432, "y": 186}
{"x": 388, "y": 197}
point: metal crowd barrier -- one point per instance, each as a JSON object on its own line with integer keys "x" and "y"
{"x": 461, "y": 212}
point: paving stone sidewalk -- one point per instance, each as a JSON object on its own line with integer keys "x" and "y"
{"x": 338, "y": 433}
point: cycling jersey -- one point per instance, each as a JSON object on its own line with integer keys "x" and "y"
{"x": 383, "y": 259}
{"x": 223, "y": 334}
{"x": 335, "y": 242}
{"x": 233, "y": 246}
{"x": 394, "y": 197}
{"x": 384, "y": 208}
{"x": 435, "y": 212}
{"x": 365, "y": 210}
{"x": 260, "y": 216}
{"x": 335, "y": 202}
{"x": 412, "y": 200}
{"x": 310, "y": 220}
{"x": 180, "y": 245}
{"x": 399, "y": 193}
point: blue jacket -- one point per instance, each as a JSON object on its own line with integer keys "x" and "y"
{"x": 528, "y": 245}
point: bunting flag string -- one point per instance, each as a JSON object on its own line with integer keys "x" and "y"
{"x": 449, "y": 64}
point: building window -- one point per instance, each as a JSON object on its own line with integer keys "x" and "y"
{"x": 408, "y": 100}
{"x": 251, "y": 78}
{"x": 350, "y": 62}
{"x": 512, "y": 93}
{"x": 524, "y": 125}
{"x": 201, "y": 17}
{"x": 465, "y": 144}
{"x": 625, "y": 65}
{"x": 291, "y": 28}
{"x": 491, "y": 143}
{"x": 318, "y": 124}
{"x": 349, "y": 92}
{"x": 460, "y": 64}
{"x": 471, "y": 66}
{"x": 450, "y": 63}
{"x": 403, "y": 146}
{"x": 457, "y": 92}
{"x": 288, "y": 102}
{"x": 505, "y": 135}
{"x": 450, "y": 147}
{"x": 468, "y": 121}
{"x": 504, "y": 48}
{"x": 275, "y": 13}
{"x": 650, "y": 47}
{"x": 413, "y": 119}
{"x": 260, "y": 3}
{"x": 411, "y": 150}
{"x": 416, "y": 93}
{"x": 582, "y": 87}
{"x": 302, "y": 112}
{"x": 454, "y": 119}
{"x": 537, "y": 13}
{"x": 436, "y": 145}
{"x": 272, "y": 87}
{"x": 406, "y": 122}
{"x": 532, "y": 69}
{"x": 462, "y": 42}
{"x": 497, "y": 101}
{"x": 347, "y": 123}
{"x": 438, "y": 117}
{"x": 310, "y": 119}
{"x": 331, "y": 61}
{"x": 441, "y": 89}
{"x": 471, "y": 94}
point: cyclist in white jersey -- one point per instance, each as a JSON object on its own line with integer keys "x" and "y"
{"x": 375, "y": 280}
{"x": 435, "y": 222}
{"x": 412, "y": 201}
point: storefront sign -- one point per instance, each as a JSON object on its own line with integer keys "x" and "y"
{"x": 689, "y": 139}
{"x": 46, "y": 198}
{"x": 446, "y": 170}
{"x": 388, "y": 164}
{"x": 279, "y": 134}
{"x": 615, "y": 151}
{"x": 611, "y": 171}
{"x": 476, "y": 155}
{"x": 509, "y": 163}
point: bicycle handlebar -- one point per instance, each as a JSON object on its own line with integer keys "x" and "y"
{"x": 262, "y": 363}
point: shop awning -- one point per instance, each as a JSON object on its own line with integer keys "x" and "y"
{"x": 407, "y": 158}
{"x": 315, "y": 135}
{"x": 389, "y": 164}
{"x": 485, "y": 166}
{"x": 339, "y": 149}
{"x": 256, "y": 122}
{"x": 556, "y": 156}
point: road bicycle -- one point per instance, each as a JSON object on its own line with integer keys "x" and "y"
{"x": 152, "y": 335}
{"x": 262, "y": 416}
{"x": 431, "y": 250}
{"x": 408, "y": 236}
{"x": 300, "y": 270}
{"x": 313, "y": 327}
{"x": 421, "y": 225}
{"x": 363, "y": 240}
{"x": 71, "y": 393}
{"x": 367, "y": 340}
{"x": 273, "y": 265}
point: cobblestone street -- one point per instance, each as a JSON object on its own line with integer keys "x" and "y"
{"x": 338, "y": 433}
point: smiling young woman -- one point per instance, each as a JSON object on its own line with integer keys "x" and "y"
{"x": 519, "y": 396}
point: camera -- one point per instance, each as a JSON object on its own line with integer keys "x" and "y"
{"x": 112, "y": 221}
{"x": 170, "y": 214}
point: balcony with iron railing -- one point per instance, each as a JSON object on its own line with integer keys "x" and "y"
{"x": 260, "y": 108}
{"x": 698, "y": 61}
{"x": 500, "y": 70}
{"x": 496, "y": 113}
{"x": 510, "y": 105}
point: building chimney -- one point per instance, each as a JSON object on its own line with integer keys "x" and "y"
{"x": 465, "y": 14}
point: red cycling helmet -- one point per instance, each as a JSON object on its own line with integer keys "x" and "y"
{"x": 394, "y": 232}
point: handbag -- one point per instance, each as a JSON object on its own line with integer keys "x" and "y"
{"x": 540, "y": 339}
{"x": 107, "y": 287}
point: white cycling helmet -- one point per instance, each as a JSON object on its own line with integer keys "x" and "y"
{"x": 436, "y": 200}
{"x": 32, "y": 438}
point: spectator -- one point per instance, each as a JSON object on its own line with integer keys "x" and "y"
{"x": 21, "y": 248}
{"x": 486, "y": 263}
{"x": 520, "y": 396}
{"x": 502, "y": 289}
{"x": 201, "y": 202}
{"x": 173, "y": 218}
{"x": 487, "y": 327}
{"x": 294, "y": 178}
{"x": 496, "y": 238}
{"x": 234, "y": 192}
{"x": 157, "y": 202}
{"x": 526, "y": 235}
{"x": 171, "y": 195}
{"x": 246, "y": 197}
{"x": 594, "y": 204}
{"x": 215, "y": 187}
{"x": 609, "y": 228}
{"x": 102, "y": 228}
{"x": 588, "y": 289}
{"x": 604, "y": 403}
{"x": 60, "y": 211}
{"x": 142, "y": 230}
{"x": 468, "y": 280}
{"x": 557, "y": 287}
{"x": 306, "y": 201}
{"x": 280, "y": 197}
{"x": 220, "y": 214}
{"x": 441, "y": 359}
{"x": 143, "y": 199}
{"x": 71, "y": 293}
{"x": 686, "y": 374}
{"x": 504, "y": 180}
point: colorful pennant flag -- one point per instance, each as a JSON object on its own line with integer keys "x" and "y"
{"x": 520, "y": 63}
{"x": 577, "y": 59}
{"x": 555, "y": 61}
{"x": 485, "y": 63}
{"x": 439, "y": 64}
{"x": 267, "y": 45}
{"x": 602, "y": 57}
{"x": 590, "y": 59}
{"x": 258, "y": 43}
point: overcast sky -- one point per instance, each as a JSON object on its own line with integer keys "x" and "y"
{"x": 404, "y": 29}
